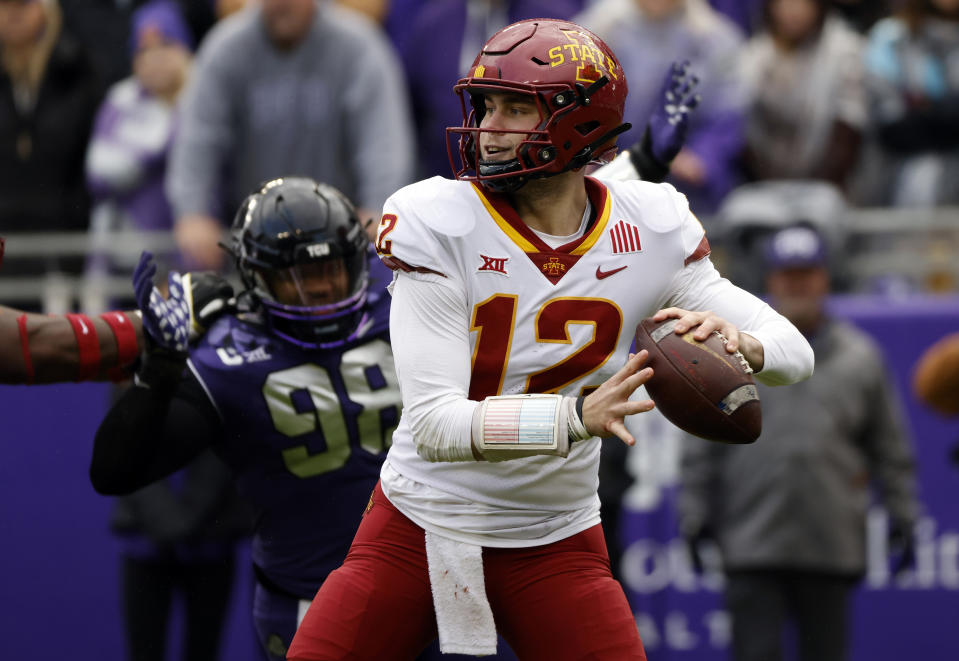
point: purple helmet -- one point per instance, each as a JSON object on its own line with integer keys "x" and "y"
{"x": 303, "y": 255}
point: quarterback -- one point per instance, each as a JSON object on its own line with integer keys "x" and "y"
{"x": 516, "y": 290}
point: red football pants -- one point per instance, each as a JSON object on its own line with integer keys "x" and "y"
{"x": 554, "y": 602}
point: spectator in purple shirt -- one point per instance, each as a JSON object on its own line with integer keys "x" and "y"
{"x": 127, "y": 155}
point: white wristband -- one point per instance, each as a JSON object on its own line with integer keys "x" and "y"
{"x": 514, "y": 426}
{"x": 576, "y": 428}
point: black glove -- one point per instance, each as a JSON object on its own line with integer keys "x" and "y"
{"x": 902, "y": 548}
{"x": 209, "y": 296}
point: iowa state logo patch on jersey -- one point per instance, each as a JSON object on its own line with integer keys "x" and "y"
{"x": 554, "y": 265}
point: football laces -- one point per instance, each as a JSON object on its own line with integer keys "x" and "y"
{"x": 738, "y": 355}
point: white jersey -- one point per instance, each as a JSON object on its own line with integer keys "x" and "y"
{"x": 505, "y": 313}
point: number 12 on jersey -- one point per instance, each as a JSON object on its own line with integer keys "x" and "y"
{"x": 494, "y": 320}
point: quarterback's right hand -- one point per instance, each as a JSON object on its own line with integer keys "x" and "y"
{"x": 605, "y": 409}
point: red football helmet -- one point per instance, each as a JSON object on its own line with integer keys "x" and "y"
{"x": 577, "y": 84}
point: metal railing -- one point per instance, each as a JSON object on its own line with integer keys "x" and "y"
{"x": 918, "y": 245}
{"x": 56, "y": 291}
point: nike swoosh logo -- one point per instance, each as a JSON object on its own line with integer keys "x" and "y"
{"x": 600, "y": 274}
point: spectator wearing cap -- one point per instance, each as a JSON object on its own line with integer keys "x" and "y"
{"x": 127, "y": 156}
{"x": 48, "y": 95}
{"x": 789, "y": 512}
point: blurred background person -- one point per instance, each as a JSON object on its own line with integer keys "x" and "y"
{"x": 178, "y": 535}
{"x": 789, "y": 512}
{"x": 103, "y": 27}
{"x": 457, "y": 30}
{"x": 287, "y": 87}
{"x": 647, "y": 36}
{"x": 912, "y": 64}
{"x": 48, "y": 96}
{"x": 127, "y": 157}
{"x": 178, "y": 539}
{"x": 807, "y": 108}
{"x": 861, "y": 15}
{"x": 745, "y": 13}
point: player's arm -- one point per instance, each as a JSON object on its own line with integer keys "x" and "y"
{"x": 38, "y": 348}
{"x": 774, "y": 348}
{"x": 699, "y": 297}
{"x": 156, "y": 427}
{"x": 162, "y": 421}
{"x": 650, "y": 158}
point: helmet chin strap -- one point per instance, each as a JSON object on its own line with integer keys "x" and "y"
{"x": 586, "y": 154}
{"x": 504, "y": 184}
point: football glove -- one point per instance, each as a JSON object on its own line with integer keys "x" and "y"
{"x": 166, "y": 321}
{"x": 208, "y": 296}
{"x": 195, "y": 301}
{"x": 667, "y": 126}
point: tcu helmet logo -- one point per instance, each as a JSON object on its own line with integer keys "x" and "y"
{"x": 591, "y": 62}
{"x": 318, "y": 250}
{"x": 494, "y": 264}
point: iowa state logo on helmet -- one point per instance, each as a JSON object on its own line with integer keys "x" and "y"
{"x": 591, "y": 61}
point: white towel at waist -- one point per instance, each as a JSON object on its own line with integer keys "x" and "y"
{"x": 464, "y": 618}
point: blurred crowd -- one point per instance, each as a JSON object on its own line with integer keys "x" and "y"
{"x": 159, "y": 116}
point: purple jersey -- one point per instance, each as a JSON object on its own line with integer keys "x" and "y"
{"x": 305, "y": 432}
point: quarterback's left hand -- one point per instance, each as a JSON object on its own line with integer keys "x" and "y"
{"x": 706, "y": 322}
{"x": 606, "y": 408}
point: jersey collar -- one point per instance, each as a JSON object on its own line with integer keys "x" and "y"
{"x": 506, "y": 218}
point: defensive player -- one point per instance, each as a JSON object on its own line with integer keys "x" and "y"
{"x": 523, "y": 276}
{"x": 296, "y": 393}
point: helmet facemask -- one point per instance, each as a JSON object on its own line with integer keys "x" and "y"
{"x": 316, "y": 304}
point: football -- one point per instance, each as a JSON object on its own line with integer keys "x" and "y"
{"x": 699, "y": 386}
